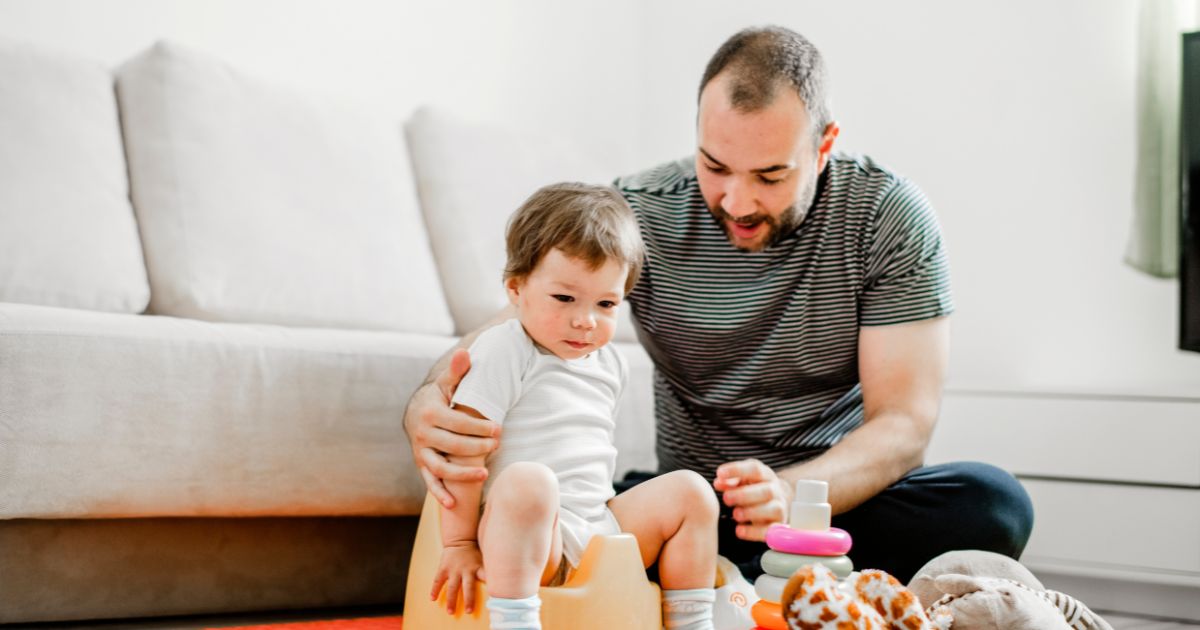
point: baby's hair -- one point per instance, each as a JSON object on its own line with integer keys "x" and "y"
{"x": 591, "y": 223}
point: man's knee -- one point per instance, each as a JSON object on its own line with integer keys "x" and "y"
{"x": 1000, "y": 516}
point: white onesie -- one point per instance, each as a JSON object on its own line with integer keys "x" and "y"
{"x": 555, "y": 412}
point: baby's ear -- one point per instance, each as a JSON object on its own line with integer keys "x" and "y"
{"x": 512, "y": 287}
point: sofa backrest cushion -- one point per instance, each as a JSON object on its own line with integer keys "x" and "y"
{"x": 67, "y": 232}
{"x": 471, "y": 176}
{"x": 261, "y": 203}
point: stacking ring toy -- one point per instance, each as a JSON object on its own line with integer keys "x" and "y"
{"x": 785, "y": 564}
{"x": 831, "y": 542}
{"x": 769, "y": 587}
{"x": 768, "y": 615}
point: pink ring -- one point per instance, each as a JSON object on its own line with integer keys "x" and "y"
{"x": 831, "y": 542}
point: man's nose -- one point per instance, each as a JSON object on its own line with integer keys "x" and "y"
{"x": 738, "y": 201}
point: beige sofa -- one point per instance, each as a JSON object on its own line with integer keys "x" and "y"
{"x": 216, "y": 295}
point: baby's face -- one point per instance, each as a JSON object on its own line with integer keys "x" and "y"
{"x": 566, "y": 307}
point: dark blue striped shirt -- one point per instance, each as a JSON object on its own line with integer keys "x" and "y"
{"x": 756, "y": 353}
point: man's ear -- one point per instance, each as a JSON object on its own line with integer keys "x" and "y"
{"x": 513, "y": 286}
{"x": 825, "y": 147}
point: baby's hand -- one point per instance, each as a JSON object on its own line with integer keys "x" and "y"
{"x": 461, "y": 565}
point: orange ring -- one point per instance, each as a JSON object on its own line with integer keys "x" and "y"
{"x": 768, "y": 615}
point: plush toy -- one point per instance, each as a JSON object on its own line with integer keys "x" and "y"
{"x": 961, "y": 590}
{"x": 968, "y": 562}
{"x": 984, "y": 591}
{"x": 814, "y": 599}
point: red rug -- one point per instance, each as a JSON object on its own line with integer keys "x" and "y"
{"x": 364, "y": 623}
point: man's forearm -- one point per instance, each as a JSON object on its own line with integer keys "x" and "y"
{"x": 867, "y": 460}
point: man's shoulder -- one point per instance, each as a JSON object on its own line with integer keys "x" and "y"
{"x": 861, "y": 170}
{"x": 665, "y": 179}
{"x": 860, "y": 178}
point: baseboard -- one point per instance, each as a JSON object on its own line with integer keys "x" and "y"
{"x": 1161, "y": 601}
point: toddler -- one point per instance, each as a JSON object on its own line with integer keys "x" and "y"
{"x": 550, "y": 377}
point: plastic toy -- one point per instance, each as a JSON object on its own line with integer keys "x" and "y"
{"x": 805, "y": 540}
{"x": 609, "y": 589}
{"x": 831, "y": 542}
{"x": 785, "y": 564}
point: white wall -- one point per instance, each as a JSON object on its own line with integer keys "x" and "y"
{"x": 527, "y": 63}
{"x": 1016, "y": 118}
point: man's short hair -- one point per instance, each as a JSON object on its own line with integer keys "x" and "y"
{"x": 591, "y": 223}
{"x": 761, "y": 60}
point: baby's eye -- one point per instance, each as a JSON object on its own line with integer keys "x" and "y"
{"x": 563, "y": 298}
{"x": 606, "y": 304}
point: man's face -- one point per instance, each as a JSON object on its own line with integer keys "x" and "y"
{"x": 757, "y": 170}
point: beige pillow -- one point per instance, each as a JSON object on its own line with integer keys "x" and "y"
{"x": 259, "y": 203}
{"x": 471, "y": 176}
{"x": 67, "y": 232}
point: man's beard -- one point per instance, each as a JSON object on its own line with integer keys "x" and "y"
{"x": 778, "y": 228}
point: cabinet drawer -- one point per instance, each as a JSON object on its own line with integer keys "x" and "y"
{"x": 1127, "y": 439}
{"x": 1112, "y": 529}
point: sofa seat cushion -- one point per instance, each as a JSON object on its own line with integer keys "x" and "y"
{"x": 115, "y": 416}
{"x": 260, "y": 203}
{"x": 68, "y": 237}
{"x": 105, "y": 415}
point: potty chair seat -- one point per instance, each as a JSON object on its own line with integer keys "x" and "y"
{"x": 608, "y": 590}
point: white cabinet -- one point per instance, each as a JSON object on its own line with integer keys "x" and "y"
{"x": 1115, "y": 479}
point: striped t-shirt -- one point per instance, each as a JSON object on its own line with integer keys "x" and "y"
{"x": 755, "y": 353}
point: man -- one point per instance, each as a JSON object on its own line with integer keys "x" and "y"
{"x": 795, "y": 305}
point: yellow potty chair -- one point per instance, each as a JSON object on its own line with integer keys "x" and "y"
{"x": 609, "y": 590}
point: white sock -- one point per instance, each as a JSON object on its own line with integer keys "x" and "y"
{"x": 515, "y": 614}
{"x": 688, "y": 609}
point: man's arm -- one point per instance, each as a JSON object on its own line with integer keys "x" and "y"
{"x": 901, "y": 368}
{"x": 435, "y": 430}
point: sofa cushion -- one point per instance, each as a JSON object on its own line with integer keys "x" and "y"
{"x": 259, "y": 203}
{"x": 471, "y": 176}
{"x": 69, "y": 237}
{"x": 114, "y": 416}
{"x": 108, "y": 415}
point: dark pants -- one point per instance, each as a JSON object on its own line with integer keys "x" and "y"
{"x": 931, "y": 510}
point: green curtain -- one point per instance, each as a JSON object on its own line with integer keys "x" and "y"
{"x": 1154, "y": 240}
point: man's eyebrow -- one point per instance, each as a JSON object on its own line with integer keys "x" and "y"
{"x": 711, "y": 158}
{"x": 765, "y": 169}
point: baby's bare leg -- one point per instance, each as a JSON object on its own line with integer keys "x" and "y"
{"x": 674, "y": 518}
{"x": 518, "y": 533}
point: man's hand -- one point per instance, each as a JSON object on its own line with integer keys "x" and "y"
{"x": 435, "y": 430}
{"x": 461, "y": 566}
{"x": 757, "y": 495}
